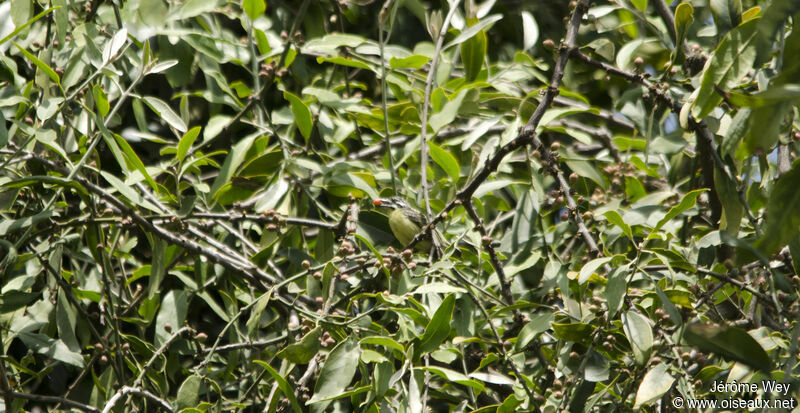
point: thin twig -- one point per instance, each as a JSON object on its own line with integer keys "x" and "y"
{"x": 125, "y": 390}
{"x": 248, "y": 345}
{"x": 669, "y": 20}
{"x": 48, "y": 399}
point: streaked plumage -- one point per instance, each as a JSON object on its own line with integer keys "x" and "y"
{"x": 405, "y": 221}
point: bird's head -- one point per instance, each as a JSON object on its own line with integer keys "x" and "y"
{"x": 394, "y": 202}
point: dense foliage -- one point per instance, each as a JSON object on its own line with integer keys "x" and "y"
{"x": 187, "y": 216}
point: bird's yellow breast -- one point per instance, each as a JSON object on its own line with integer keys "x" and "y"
{"x": 404, "y": 229}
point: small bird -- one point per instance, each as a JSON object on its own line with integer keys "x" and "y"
{"x": 406, "y": 222}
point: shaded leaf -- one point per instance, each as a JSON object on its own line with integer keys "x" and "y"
{"x": 530, "y": 30}
{"x": 473, "y": 52}
{"x": 640, "y": 335}
{"x": 473, "y": 30}
{"x": 336, "y": 373}
{"x": 302, "y": 115}
{"x": 438, "y": 329}
{"x": 254, "y": 8}
{"x": 166, "y": 113}
{"x": 783, "y": 213}
{"x": 655, "y": 383}
{"x": 688, "y": 201}
{"x": 615, "y": 218}
{"x": 304, "y": 350}
{"x": 283, "y": 385}
{"x": 730, "y": 342}
{"x": 732, "y": 60}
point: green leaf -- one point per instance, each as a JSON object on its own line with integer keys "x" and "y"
{"x": 438, "y": 288}
{"x": 352, "y": 183}
{"x": 133, "y": 158}
{"x": 410, "y": 62}
{"x": 684, "y": 17}
{"x": 790, "y": 71}
{"x": 3, "y": 131}
{"x": 22, "y": 27}
{"x": 640, "y": 5}
{"x": 590, "y": 267}
{"x": 616, "y": 288}
{"x": 114, "y": 45}
{"x": 194, "y": 8}
{"x": 615, "y": 218}
{"x": 166, "y": 113}
{"x": 330, "y": 43}
{"x": 383, "y": 341}
{"x": 283, "y": 385}
{"x": 473, "y": 51}
{"x": 640, "y": 335}
{"x": 669, "y": 307}
{"x": 14, "y": 300}
{"x": 52, "y": 348}
{"x": 456, "y": 377}
{"x": 573, "y": 332}
{"x": 783, "y": 212}
{"x": 232, "y": 162}
{"x": 254, "y": 8}
{"x": 40, "y": 64}
{"x": 304, "y": 350}
{"x": 736, "y": 131}
{"x": 510, "y": 404}
{"x": 686, "y": 203}
{"x": 187, "y": 140}
{"x": 732, "y": 208}
{"x": 765, "y": 125}
{"x": 189, "y": 392}
{"x": 66, "y": 321}
{"x": 473, "y": 30}
{"x": 448, "y": 113}
{"x": 587, "y": 170}
{"x": 438, "y": 329}
{"x": 172, "y": 311}
{"x": 655, "y": 384}
{"x": 732, "y": 60}
{"x": 540, "y": 322}
{"x": 343, "y": 61}
{"x": 626, "y": 52}
{"x": 100, "y": 100}
{"x": 445, "y": 160}
{"x": 255, "y": 313}
{"x": 336, "y": 373}
{"x": 730, "y": 342}
{"x": 162, "y": 66}
{"x": 769, "y": 97}
{"x": 727, "y": 14}
{"x": 302, "y": 115}
{"x": 523, "y": 259}
{"x": 21, "y": 11}
{"x": 530, "y": 30}
{"x": 126, "y": 191}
